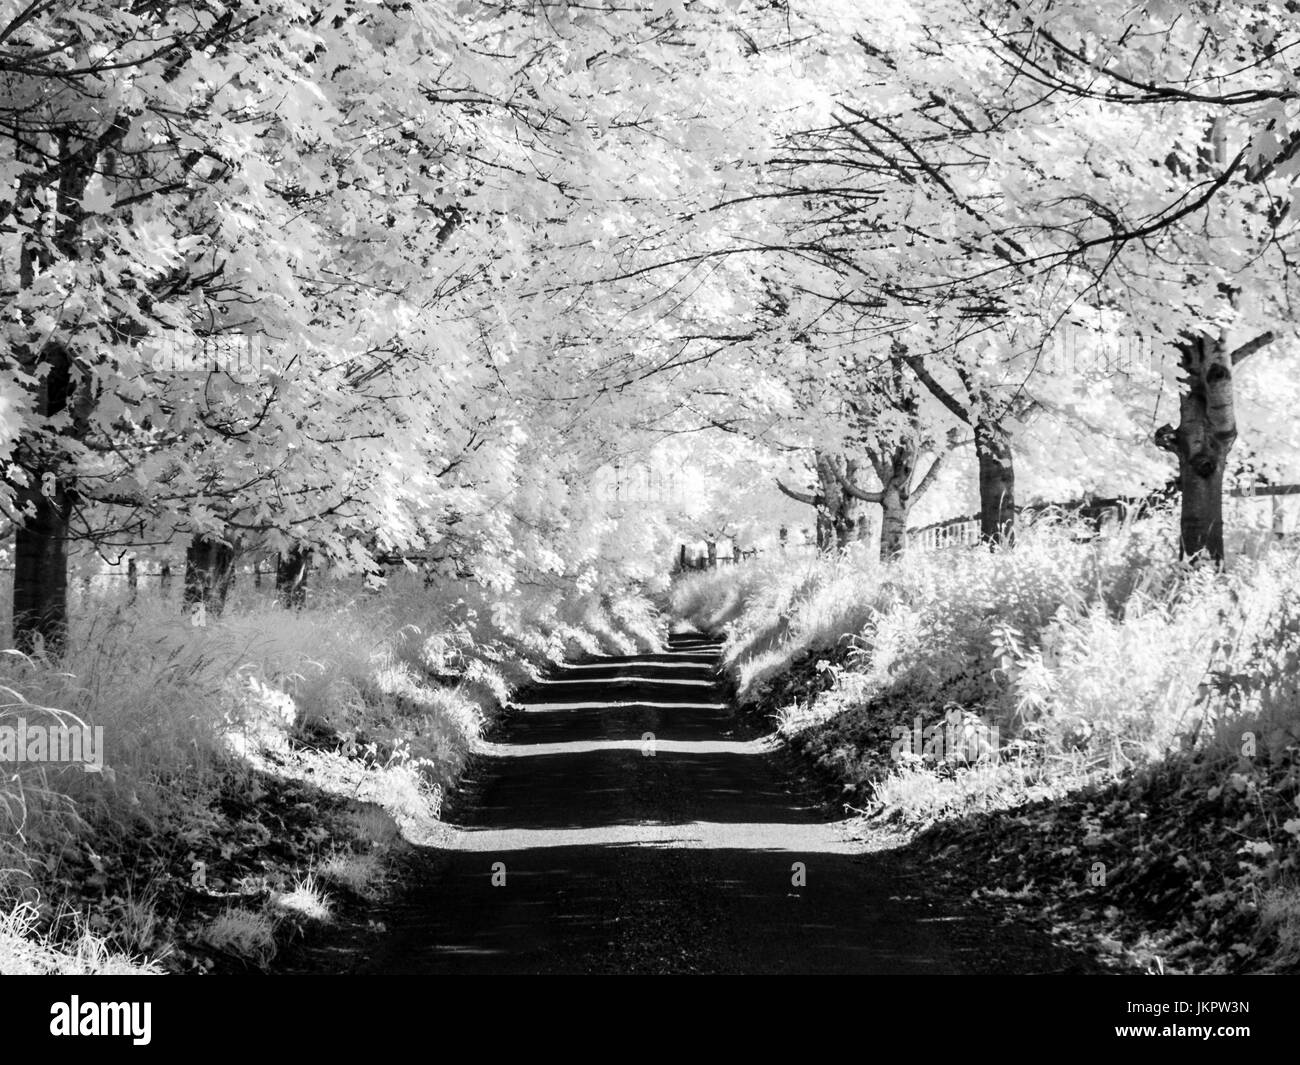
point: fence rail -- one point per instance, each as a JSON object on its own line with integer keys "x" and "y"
{"x": 1099, "y": 513}
{"x": 689, "y": 558}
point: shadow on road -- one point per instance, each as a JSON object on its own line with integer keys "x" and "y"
{"x": 618, "y": 825}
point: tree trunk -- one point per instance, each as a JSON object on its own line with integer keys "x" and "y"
{"x": 40, "y": 593}
{"x": 841, "y": 509}
{"x": 291, "y": 570}
{"x": 1201, "y": 524}
{"x": 40, "y": 596}
{"x": 997, "y": 481}
{"x": 896, "y": 472}
{"x": 209, "y": 573}
{"x": 831, "y": 534}
{"x": 893, "y": 522}
{"x": 838, "y": 512}
{"x": 713, "y": 554}
{"x": 893, "y": 526}
{"x": 1207, "y": 429}
{"x": 825, "y": 532}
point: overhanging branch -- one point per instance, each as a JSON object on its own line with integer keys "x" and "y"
{"x": 800, "y": 497}
{"x": 1251, "y": 346}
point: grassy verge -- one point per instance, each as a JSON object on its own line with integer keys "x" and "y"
{"x": 255, "y": 772}
{"x": 1093, "y": 734}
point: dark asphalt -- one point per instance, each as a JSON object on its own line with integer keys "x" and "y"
{"x": 637, "y": 834}
{"x": 632, "y": 831}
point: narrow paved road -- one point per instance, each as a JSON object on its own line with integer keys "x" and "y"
{"x": 630, "y": 831}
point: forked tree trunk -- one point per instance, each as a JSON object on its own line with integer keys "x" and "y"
{"x": 838, "y": 513}
{"x": 1207, "y": 429}
{"x": 997, "y": 483}
{"x": 209, "y": 573}
{"x": 899, "y": 467}
{"x": 291, "y": 569}
{"x": 896, "y": 469}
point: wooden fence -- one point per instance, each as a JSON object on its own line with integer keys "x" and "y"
{"x": 149, "y": 580}
{"x": 689, "y": 558}
{"x": 1093, "y": 516}
{"x": 1096, "y": 515}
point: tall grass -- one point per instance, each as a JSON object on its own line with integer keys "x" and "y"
{"x": 1095, "y": 656}
{"x": 390, "y": 690}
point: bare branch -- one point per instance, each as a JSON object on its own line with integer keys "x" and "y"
{"x": 799, "y": 497}
{"x": 852, "y": 489}
{"x": 929, "y": 477}
{"x": 1251, "y": 346}
{"x": 937, "y": 390}
{"x": 1166, "y": 439}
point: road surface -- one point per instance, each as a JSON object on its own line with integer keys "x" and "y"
{"x": 621, "y": 823}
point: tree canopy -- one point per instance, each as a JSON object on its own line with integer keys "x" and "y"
{"x": 382, "y": 281}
